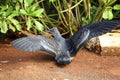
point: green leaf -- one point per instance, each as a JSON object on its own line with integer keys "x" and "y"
{"x": 108, "y": 14}
{"x": 38, "y": 13}
{"x": 28, "y": 23}
{"x": 4, "y": 7}
{"x": 9, "y": 11}
{"x": 110, "y": 2}
{"x": 4, "y": 27}
{"x": 16, "y": 23}
{"x": 15, "y": 13}
{"x": 52, "y": 1}
{"x": 23, "y": 12}
{"x": 21, "y": 1}
{"x": 39, "y": 26}
{"x": 28, "y": 3}
{"x": 116, "y": 7}
{"x": 12, "y": 27}
{"x": 17, "y": 6}
{"x": 105, "y": 14}
{"x": 34, "y": 6}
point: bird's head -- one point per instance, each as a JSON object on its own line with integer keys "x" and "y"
{"x": 63, "y": 58}
{"x": 52, "y": 31}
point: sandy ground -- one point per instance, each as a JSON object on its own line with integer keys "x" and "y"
{"x": 20, "y": 65}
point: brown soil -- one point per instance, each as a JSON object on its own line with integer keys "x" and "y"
{"x": 20, "y": 65}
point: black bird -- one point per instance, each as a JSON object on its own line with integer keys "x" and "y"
{"x": 64, "y": 49}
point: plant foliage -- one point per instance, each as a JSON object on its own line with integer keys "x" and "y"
{"x": 34, "y": 16}
{"x": 19, "y": 13}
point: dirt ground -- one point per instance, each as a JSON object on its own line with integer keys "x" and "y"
{"x": 20, "y": 65}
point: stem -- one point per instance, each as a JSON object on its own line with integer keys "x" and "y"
{"x": 62, "y": 15}
{"x": 72, "y": 7}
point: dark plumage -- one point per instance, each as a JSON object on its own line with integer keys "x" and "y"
{"x": 64, "y": 49}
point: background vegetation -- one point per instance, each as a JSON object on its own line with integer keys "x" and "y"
{"x": 35, "y": 16}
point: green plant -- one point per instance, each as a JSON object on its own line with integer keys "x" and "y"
{"x": 108, "y": 12}
{"x": 21, "y": 14}
{"x": 71, "y": 12}
{"x": 95, "y": 11}
{"x": 7, "y": 20}
{"x": 31, "y": 13}
{"x": 68, "y": 15}
{"x": 33, "y": 16}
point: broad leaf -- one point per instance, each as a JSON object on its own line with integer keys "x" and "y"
{"x": 4, "y": 7}
{"x": 14, "y": 13}
{"x": 34, "y": 6}
{"x": 4, "y": 27}
{"x": 116, "y": 7}
{"x": 27, "y": 3}
{"x": 23, "y": 12}
{"x": 38, "y": 13}
{"x": 39, "y": 26}
{"x": 21, "y": 1}
{"x": 9, "y": 11}
{"x": 12, "y": 27}
{"x": 16, "y": 23}
{"x": 108, "y": 14}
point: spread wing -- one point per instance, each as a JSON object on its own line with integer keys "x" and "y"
{"x": 92, "y": 30}
{"x": 103, "y": 27}
{"x": 36, "y": 43}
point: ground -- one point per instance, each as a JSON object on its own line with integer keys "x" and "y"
{"x": 20, "y": 65}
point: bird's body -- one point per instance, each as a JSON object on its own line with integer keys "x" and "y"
{"x": 64, "y": 57}
{"x": 64, "y": 49}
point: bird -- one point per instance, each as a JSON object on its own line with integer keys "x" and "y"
{"x": 64, "y": 50}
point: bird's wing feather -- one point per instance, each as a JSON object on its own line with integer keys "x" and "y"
{"x": 103, "y": 27}
{"x": 35, "y": 43}
{"x": 83, "y": 38}
{"x": 93, "y": 30}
